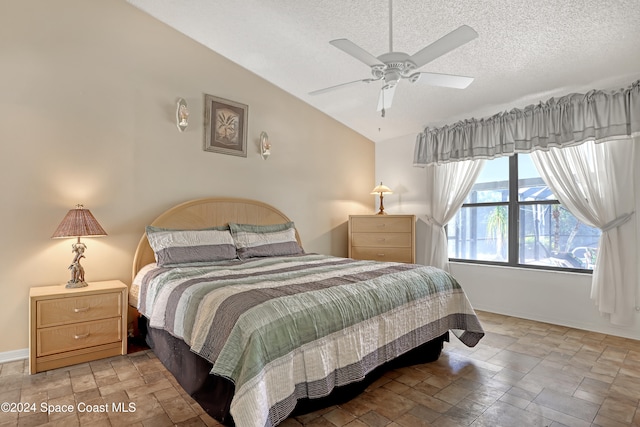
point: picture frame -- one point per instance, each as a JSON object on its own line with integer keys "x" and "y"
{"x": 225, "y": 126}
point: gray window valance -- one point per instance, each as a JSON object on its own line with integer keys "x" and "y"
{"x": 597, "y": 115}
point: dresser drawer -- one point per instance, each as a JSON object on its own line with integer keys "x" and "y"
{"x": 383, "y": 254}
{"x": 72, "y": 337}
{"x": 63, "y": 311}
{"x": 381, "y": 224}
{"x": 383, "y": 240}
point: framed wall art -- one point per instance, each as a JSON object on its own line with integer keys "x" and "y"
{"x": 225, "y": 126}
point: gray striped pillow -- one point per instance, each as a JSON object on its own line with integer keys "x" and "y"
{"x": 265, "y": 240}
{"x": 188, "y": 247}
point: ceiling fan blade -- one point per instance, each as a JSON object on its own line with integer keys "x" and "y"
{"x": 453, "y": 40}
{"x": 386, "y": 97}
{"x": 330, "y": 88}
{"x": 443, "y": 80}
{"x": 356, "y": 51}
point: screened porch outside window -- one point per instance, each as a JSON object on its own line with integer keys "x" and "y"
{"x": 532, "y": 229}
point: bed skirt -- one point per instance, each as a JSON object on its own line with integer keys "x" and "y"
{"x": 214, "y": 393}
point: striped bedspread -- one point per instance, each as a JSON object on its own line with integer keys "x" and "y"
{"x": 284, "y": 328}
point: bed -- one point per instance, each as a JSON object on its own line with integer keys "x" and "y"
{"x": 256, "y": 329}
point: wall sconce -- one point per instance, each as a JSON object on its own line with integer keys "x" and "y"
{"x": 182, "y": 115}
{"x": 265, "y": 145}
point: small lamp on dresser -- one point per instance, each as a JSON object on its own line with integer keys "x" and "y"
{"x": 78, "y": 222}
{"x": 381, "y": 189}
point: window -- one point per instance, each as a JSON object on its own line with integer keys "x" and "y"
{"x": 511, "y": 217}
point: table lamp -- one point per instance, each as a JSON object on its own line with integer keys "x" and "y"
{"x": 78, "y": 222}
{"x": 381, "y": 189}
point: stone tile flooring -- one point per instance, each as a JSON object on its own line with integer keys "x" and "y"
{"x": 523, "y": 373}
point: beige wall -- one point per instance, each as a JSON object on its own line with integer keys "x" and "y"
{"x": 87, "y": 107}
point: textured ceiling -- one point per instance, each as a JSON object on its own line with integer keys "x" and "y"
{"x": 527, "y": 51}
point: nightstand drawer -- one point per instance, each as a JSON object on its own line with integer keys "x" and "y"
{"x": 78, "y": 309}
{"x": 381, "y": 224}
{"x": 383, "y": 240}
{"x": 383, "y": 254}
{"x": 73, "y": 337}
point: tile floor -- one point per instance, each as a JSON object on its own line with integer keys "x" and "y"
{"x": 523, "y": 373}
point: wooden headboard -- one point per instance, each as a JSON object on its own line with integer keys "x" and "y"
{"x": 208, "y": 212}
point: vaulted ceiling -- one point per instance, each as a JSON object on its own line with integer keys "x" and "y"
{"x": 526, "y": 51}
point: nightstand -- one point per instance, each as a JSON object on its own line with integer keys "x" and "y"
{"x": 70, "y": 326}
{"x": 383, "y": 237}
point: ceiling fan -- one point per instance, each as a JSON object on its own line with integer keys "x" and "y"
{"x": 391, "y": 67}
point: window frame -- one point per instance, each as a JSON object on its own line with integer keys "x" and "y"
{"x": 513, "y": 205}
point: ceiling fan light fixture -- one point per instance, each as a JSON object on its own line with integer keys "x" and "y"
{"x": 391, "y": 79}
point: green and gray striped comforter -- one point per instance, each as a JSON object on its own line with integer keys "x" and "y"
{"x": 284, "y": 328}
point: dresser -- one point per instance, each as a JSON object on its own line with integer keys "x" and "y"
{"x": 70, "y": 326}
{"x": 383, "y": 237}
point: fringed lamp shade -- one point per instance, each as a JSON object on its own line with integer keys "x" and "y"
{"x": 78, "y": 223}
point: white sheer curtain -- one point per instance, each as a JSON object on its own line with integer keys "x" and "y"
{"x": 595, "y": 182}
{"x": 447, "y": 187}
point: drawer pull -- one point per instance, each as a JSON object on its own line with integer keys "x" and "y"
{"x": 81, "y": 336}
{"x": 81, "y": 310}
{"x": 380, "y": 254}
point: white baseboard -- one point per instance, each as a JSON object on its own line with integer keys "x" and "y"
{"x": 601, "y": 329}
{"x": 13, "y": 355}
